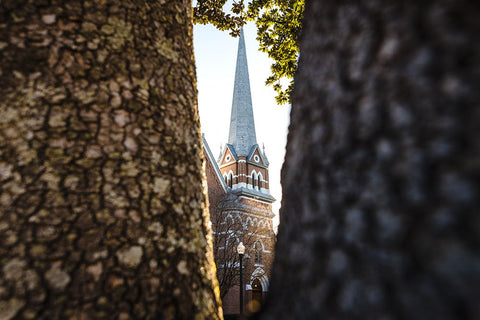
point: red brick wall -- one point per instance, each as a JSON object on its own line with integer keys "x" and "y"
{"x": 232, "y": 167}
{"x": 215, "y": 189}
{"x": 231, "y": 302}
{"x": 253, "y": 209}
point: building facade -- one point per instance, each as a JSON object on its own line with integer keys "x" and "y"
{"x": 240, "y": 202}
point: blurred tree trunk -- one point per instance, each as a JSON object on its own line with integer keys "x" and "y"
{"x": 102, "y": 209}
{"x": 381, "y": 211}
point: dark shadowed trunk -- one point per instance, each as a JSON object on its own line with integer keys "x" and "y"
{"x": 102, "y": 210}
{"x": 381, "y": 211}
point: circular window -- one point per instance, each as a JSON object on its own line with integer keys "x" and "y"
{"x": 256, "y": 158}
{"x": 227, "y": 158}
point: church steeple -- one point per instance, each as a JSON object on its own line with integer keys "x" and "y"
{"x": 242, "y": 126}
{"x": 243, "y": 165}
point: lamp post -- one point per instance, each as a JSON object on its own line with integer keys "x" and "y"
{"x": 241, "y": 252}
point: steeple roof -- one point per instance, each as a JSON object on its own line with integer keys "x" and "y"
{"x": 242, "y": 125}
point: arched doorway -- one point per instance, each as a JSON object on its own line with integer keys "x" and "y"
{"x": 257, "y": 290}
{"x": 257, "y": 293}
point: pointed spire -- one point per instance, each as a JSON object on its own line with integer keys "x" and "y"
{"x": 221, "y": 153}
{"x": 242, "y": 126}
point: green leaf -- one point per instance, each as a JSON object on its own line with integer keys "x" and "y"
{"x": 278, "y": 25}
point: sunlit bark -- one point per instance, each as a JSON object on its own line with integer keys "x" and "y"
{"x": 102, "y": 209}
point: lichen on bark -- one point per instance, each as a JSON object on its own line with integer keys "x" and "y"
{"x": 98, "y": 110}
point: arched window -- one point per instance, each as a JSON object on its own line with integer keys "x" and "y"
{"x": 260, "y": 181}
{"x": 254, "y": 180}
{"x": 226, "y": 179}
{"x": 258, "y": 252}
{"x": 230, "y": 179}
{"x": 232, "y": 239}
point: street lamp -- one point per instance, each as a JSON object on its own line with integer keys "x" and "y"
{"x": 241, "y": 252}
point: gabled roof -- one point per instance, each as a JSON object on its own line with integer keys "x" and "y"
{"x": 232, "y": 151}
{"x": 262, "y": 155}
{"x": 228, "y": 147}
{"x": 211, "y": 158}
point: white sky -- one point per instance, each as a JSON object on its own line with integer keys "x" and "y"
{"x": 216, "y": 55}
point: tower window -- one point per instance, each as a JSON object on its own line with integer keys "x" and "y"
{"x": 230, "y": 180}
{"x": 258, "y": 252}
{"x": 259, "y": 181}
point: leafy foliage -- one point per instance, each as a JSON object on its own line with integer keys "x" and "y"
{"x": 278, "y": 26}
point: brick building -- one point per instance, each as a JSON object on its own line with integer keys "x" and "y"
{"x": 240, "y": 202}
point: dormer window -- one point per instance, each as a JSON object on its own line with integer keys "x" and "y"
{"x": 256, "y": 158}
{"x": 228, "y": 158}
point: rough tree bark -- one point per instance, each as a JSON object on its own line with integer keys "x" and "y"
{"x": 381, "y": 211}
{"x": 102, "y": 209}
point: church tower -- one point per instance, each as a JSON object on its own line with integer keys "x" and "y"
{"x": 245, "y": 214}
{"x": 243, "y": 164}
{"x": 240, "y": 202}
